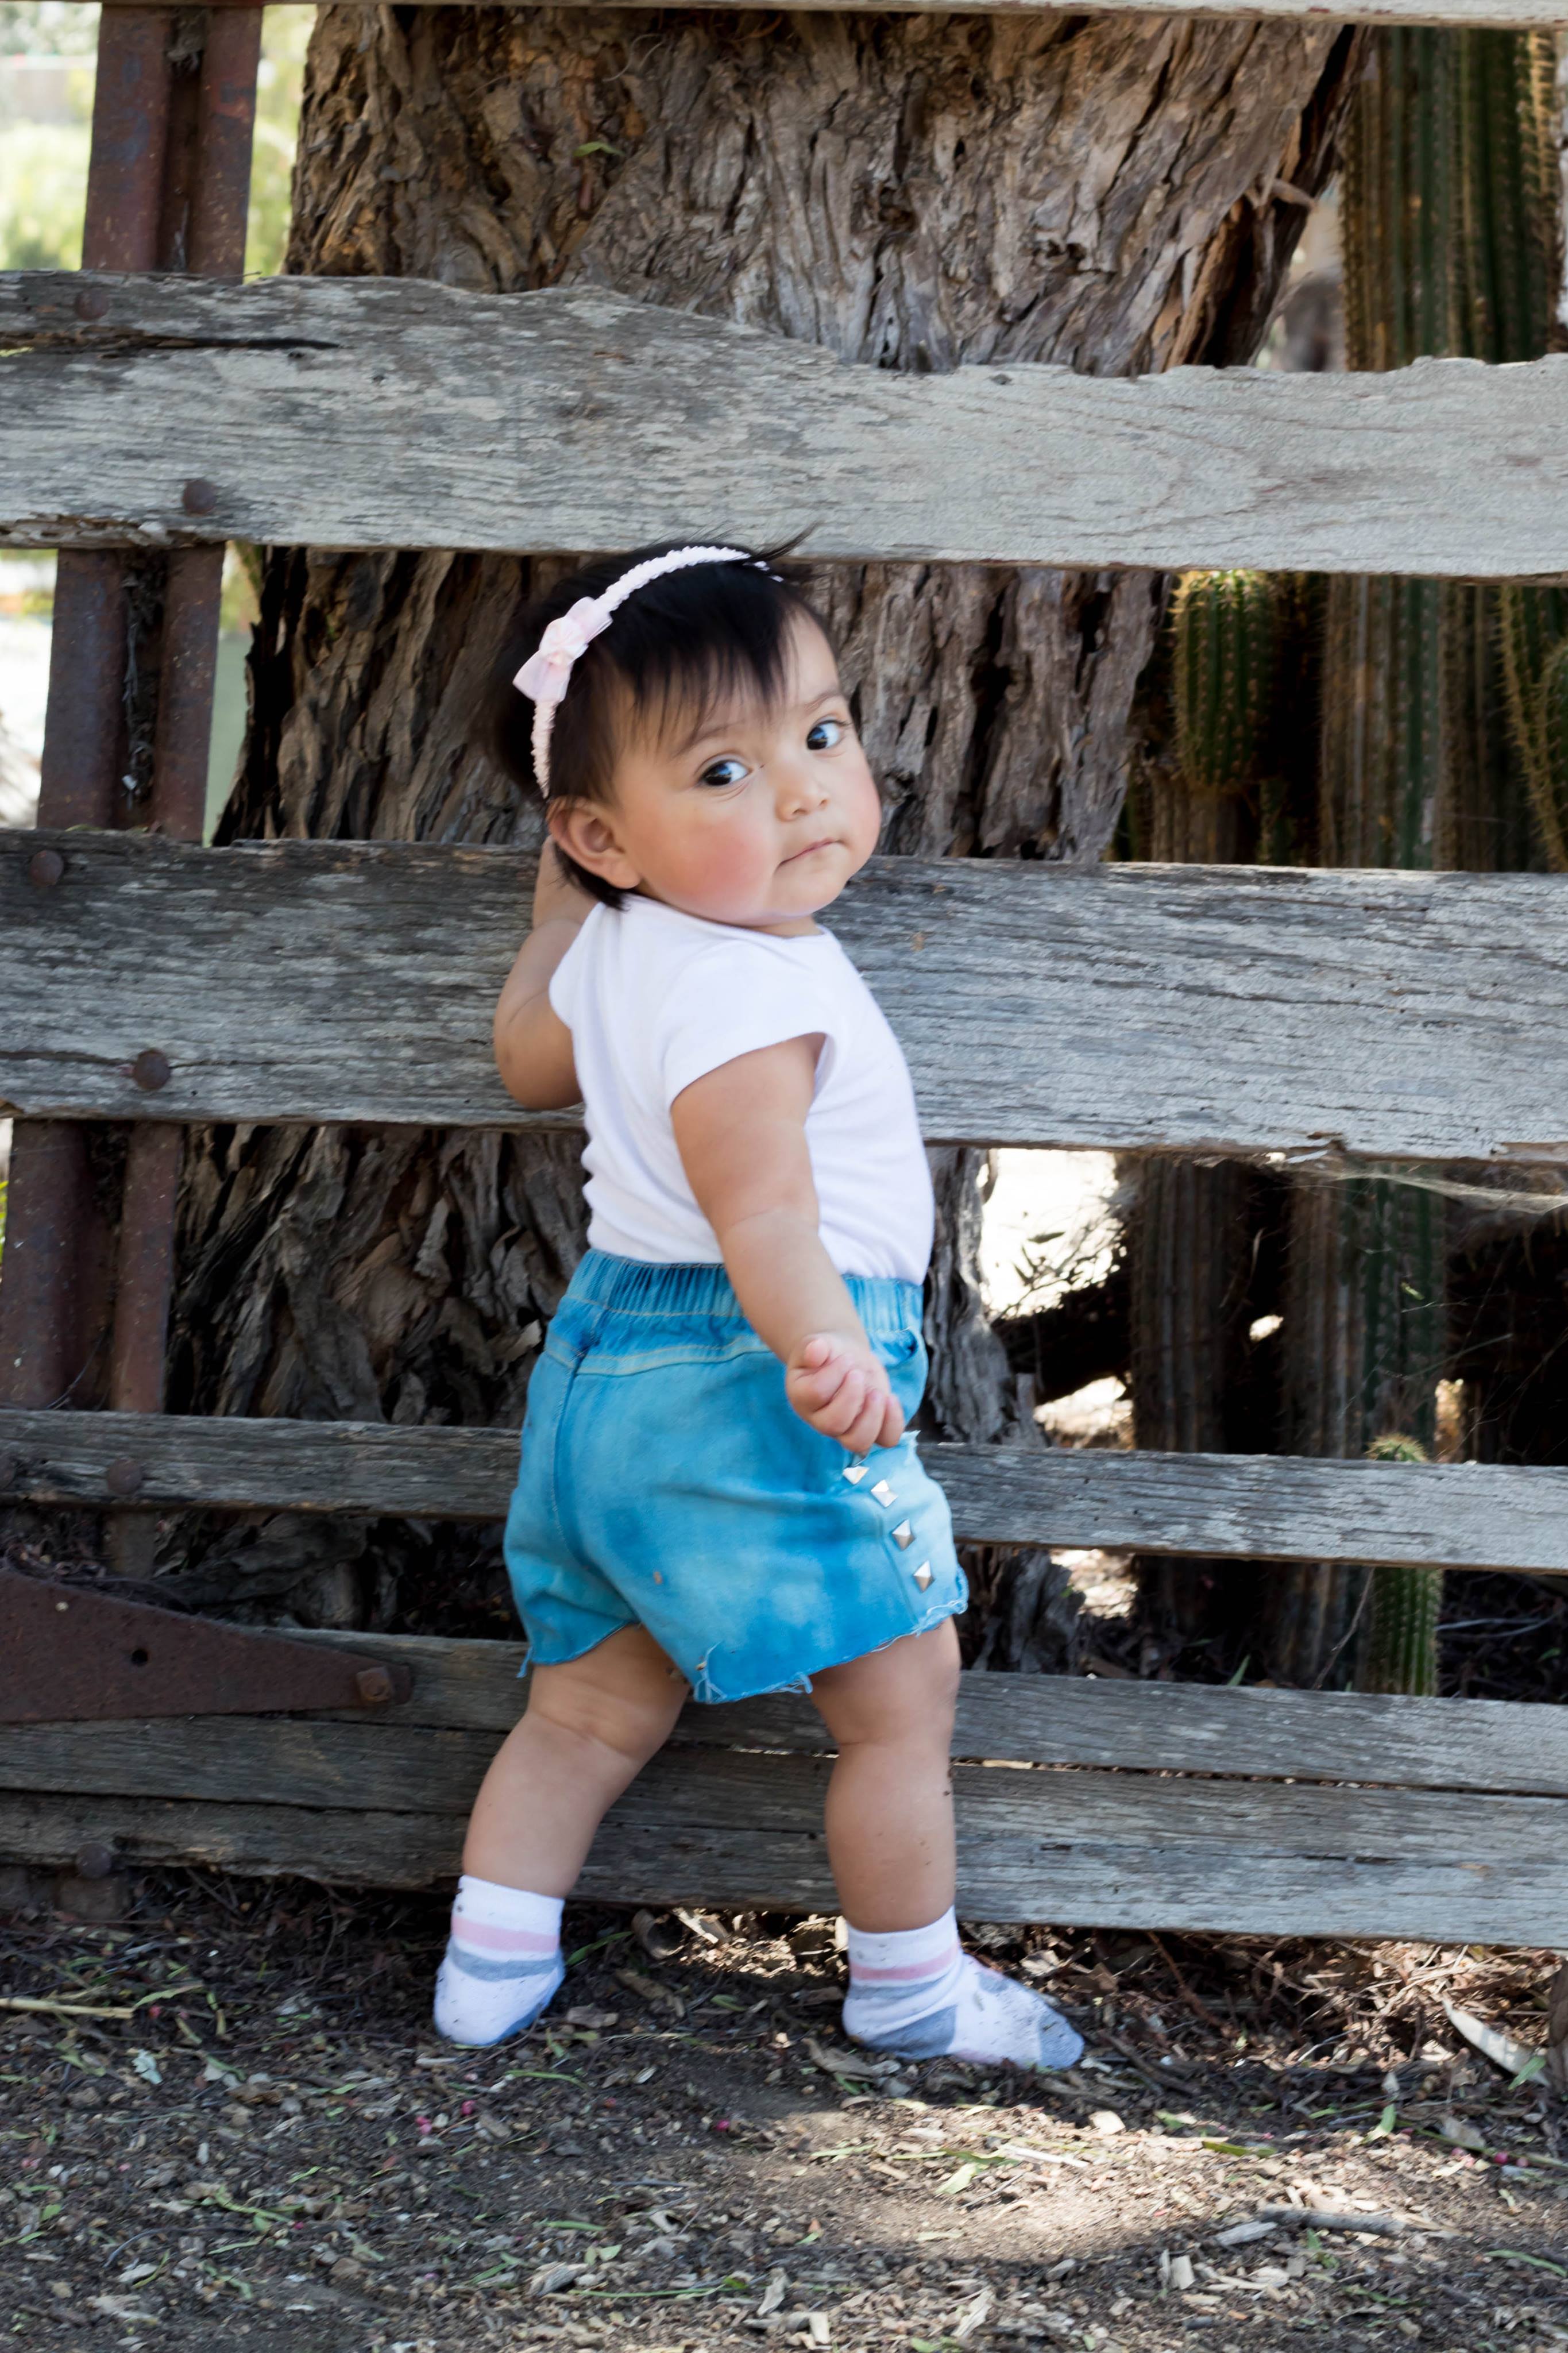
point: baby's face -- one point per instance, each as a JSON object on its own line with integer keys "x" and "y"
{"x": 745, "y": 816}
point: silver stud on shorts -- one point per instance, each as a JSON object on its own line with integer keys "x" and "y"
{"x": 883, "y": 1494}
{"x": 854, "y": 1472}
{"x": 903, "y": 1536}
{"x": 922, "y": 1575}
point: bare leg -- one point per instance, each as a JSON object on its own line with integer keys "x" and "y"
{"x": 889, "y": 1803}
{"x": 591, "y": 1726}
{"x": 889, "y": 1835}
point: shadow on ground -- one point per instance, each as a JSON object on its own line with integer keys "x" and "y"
{"x": 226, "y": 2117}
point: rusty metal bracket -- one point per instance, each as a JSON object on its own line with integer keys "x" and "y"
{"x": 68, "y": 1653}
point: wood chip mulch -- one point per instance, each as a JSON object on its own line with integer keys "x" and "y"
{"x": 228, "y": 2119}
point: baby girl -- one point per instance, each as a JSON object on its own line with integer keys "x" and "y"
{"x": 719, "y": 1495}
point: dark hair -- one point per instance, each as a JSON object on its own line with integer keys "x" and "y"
{"x": 684, "y": 639}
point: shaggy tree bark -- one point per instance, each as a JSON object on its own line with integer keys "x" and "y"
{"x": 1116, "y": 195}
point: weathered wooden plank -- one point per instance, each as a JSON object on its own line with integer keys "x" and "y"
{"x": 1443, "y": 1744}
{"x": 1497, "y": 13}
{"x": 403, "y": 412}
{"x": 1178, "y": 1008}
{"x": 1251, "y": 1507}
{"x": 1113, "y": 1850}
{"x": 1493, "y": 13}
{"x": 429, "y": 1753}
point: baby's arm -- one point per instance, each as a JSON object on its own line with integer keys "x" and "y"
{"x": 740, "y": 1131}
{"x": 532, "y": 1044}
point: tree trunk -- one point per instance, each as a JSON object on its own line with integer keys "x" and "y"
{"x": 911, "y": 192}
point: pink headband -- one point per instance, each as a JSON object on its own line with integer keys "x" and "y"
{"x": 546, "y": 675}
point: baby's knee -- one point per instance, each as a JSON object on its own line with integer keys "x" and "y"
{"x": 631, "y": 1714}
{"x": 904, "y": 1695}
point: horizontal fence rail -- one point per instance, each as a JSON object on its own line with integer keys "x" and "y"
{"x": 1437, "y": 1743}
{"x": 1367, "y": 1840}
{"x": 1250, "y": 1507}
{"x": 1107, "y": 1850}
{"x": 407, "y": 414}
{"x": 1239, "y": 1010}
{"x": 1496, "y": 13}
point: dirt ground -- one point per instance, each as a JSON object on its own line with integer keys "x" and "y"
{"x": 227, "y": 2118}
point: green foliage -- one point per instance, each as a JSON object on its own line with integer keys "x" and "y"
{"x": 43, "y": 187}
{"x": 285, "y": 36}
{"x": 48, "y": 29}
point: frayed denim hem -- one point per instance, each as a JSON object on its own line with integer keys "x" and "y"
{"x": 707, "y": 1691}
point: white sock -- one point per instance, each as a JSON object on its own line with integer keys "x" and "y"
{"x": 502, "y": 1963}
{"x": 916, "y": 1991}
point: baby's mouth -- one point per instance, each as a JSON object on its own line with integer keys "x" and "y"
{"x": 827, "y": 843}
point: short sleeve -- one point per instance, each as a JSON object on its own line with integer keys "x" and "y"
{"x": 736, "y": 999}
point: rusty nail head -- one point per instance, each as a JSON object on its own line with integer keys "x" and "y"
{"x": 150, "y": 1071}
{"x": 94, "y": 1861}
{"x": 199, "y": 496}
{"x": 125, "y": 1475}
{"x": 45, "y": 868}
{"x": 91, "y": 302}
{"x": 374, "y": 1685}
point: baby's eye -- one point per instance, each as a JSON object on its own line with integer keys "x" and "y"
{"x": 719, "y": 773}
{"x": 826, "y": 734}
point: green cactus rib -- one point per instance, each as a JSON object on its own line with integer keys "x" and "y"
{"x": 1398, "y": 1647}
{"x": 1226, "y": 627}
{"x": 1397, "y": 1650}
{"x": 1532, "y": 631}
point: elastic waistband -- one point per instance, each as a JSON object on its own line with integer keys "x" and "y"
{"x": 634, "y": 1286}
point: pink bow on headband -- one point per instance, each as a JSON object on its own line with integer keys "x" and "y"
{"x": 545, "y": 675}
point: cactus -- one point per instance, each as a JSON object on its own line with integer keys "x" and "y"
{"x": 1532, "y": 634}
{"x": 1511, "y": 264}
{"x": 1227, "y": 630}
{"x": 1234, "y": 669}
{"x": 1398, "y": 1647}
{"x": 1448, "y": 233}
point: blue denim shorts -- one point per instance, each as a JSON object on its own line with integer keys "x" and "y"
{"x": 664, "y": 1480}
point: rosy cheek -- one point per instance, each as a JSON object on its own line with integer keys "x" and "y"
{"x": 724, "y": 860}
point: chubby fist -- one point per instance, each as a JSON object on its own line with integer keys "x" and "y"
{"x": 835, "y": 1383}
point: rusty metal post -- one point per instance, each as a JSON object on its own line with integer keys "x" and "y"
{"x": 210, "y": 225}
{"x": 222, "y": 202}
{"x": 129, "y": 139}
{"x": 168, "y": 187}
{"x": 44, "y": 1345}
{"x": 53, "y": 1296}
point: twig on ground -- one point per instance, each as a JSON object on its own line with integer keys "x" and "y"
{"x": 1319, "y": 2217}
{"x": 61, "y": 2008}
{"x": 1183, "y": 1987}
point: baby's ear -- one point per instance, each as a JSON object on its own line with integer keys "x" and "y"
{"x": 587, "y": 833}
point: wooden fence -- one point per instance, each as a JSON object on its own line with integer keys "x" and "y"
{"x": 407, "y": 414}
{"x": 1397, "y": 1018}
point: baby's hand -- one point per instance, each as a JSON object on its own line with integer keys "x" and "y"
{"x": 836, "y": 1383}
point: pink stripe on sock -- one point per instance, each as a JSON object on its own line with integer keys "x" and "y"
{"x": 501, "y": 1940}
{"x": 910, "y": 1974}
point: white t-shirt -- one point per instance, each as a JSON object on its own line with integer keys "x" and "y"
{"x": 655, "y": 999}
